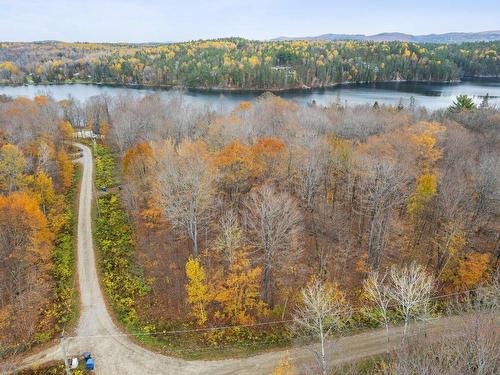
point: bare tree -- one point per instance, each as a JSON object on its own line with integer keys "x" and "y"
{"x": 488, "y": 296}
{"x": 383, "y": 190}
{"x": 135, "y": 120}
{"x": 274, "y": 222}
{"x": 186, "y": 188}
{"x": 323, "y": 311}
{"x": 73, "y": 112}
{"x": 97, "y": 112}
{"x": 377, "y": 291}
{"x": 185, "y": 120}
{"x": 410, "y": 289}
{"x": 230, "y": 237}
{"x": 487, "y": 196}
{"x": 472, "y": 348}
{"x": 309, "y": 175}
{"x": 312, "y": 168}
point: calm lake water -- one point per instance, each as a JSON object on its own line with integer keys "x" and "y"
{"x": 430, "y": 95}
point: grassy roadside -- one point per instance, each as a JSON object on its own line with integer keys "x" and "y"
{"x": 113, "y": 235}
{"x": 65, "y": 268}
{"x": 53, "y": 368}
{"x": 377, "y": 365}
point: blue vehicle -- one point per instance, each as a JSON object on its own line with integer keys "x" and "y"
{"x": 89, "y": 361}
{"x": 89, "y": 364}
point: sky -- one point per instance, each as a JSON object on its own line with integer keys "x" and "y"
{"x": 181, "y": 20}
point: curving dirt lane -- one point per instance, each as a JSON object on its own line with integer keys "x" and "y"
{"x": 115, "y": 353}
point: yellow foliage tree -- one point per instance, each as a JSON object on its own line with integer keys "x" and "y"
{"x": 66, "y": 169}
{"x": 137, "y": 161}
{"x": 426, "y": 189}
{"x": 9, "y": 66}
{"x": 139, "y": 168}
{"x": 25, "y": 253}
{"x": 104, "y": 128}
{"x": 254, "y": 61}
{"x": 239, "y": 295}
{"x": 12, "y": 166}
{"x": 243, "y": 106}
{"x": 43, "y": 189}
{"x": 197, "y": 290}
{"x": 448, "y": 247}
{"x": 66, "y": 130}
{"x": 426, "y": 142}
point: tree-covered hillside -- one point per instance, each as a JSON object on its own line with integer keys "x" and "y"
{"x": 243, "y": 64}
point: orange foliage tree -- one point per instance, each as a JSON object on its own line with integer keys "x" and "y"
{"x": 241, "y": 167}
{"x": 238, "y": 169}
{"x": 473, "y": 269}
{"x": 25, "y": 248}
{"x": 271, "y": 154}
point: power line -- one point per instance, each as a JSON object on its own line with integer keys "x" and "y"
{"x": 194, "y": 330}
{"x": 227, "y": 327}
{"x": 298, "y": 344}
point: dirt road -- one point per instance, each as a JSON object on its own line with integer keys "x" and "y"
{"x": 115, "y": 353}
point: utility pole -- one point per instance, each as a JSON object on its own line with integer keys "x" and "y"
{"x": 66, "y": 364}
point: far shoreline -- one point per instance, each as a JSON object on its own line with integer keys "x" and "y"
{"x": 236, "y": 90}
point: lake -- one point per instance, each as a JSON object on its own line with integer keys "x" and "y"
{"x": 430, "y": 95}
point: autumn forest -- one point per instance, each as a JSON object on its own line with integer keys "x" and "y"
{"x": 249, "y": 187}
{"x": 236, "y": 63}
{"x": 250, "y": 218}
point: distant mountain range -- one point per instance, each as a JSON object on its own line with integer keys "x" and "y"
{"x": 387, "y": 37}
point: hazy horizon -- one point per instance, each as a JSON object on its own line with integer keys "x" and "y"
{"x": 238, "y": 36}
{"x": 156, "y": 21}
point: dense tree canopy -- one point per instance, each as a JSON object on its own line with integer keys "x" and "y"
{"x": 217, "y": 219}
{"x": 36, "y": 223}
{"x": 240, "y": 63}
{"x": 235, "y": 212}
